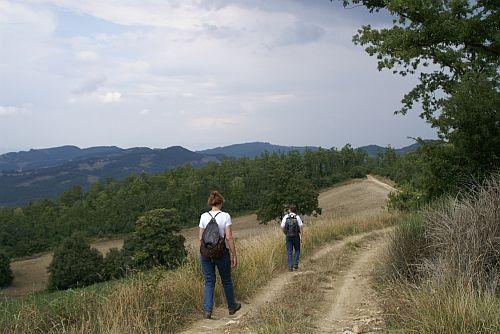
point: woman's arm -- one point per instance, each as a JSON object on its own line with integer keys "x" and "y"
{"x": 232, "y": 248}
{"x": 200, "y": 233}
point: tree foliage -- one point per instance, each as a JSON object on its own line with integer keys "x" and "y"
{"x": 156, "y": 241}
{"x": 75, "y": 264}
{"x": 454, "y": 48}
{"x": 116, "y": 263}
{"x": 6, "y": 276}
{"x": 113, "y": 207}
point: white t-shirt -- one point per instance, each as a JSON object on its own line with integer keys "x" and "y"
{"x": 223, "y": 219}
{"x": 283, "y": 221}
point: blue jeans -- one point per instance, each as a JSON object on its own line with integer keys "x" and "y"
{"x": 293, "y": 243}
{"x": 224, "y": 266}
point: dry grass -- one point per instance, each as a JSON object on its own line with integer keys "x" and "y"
{"x": 163, "y": 301}
{"x": 451, "y": 286}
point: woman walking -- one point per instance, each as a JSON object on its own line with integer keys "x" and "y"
{"x": 224, "y": 263}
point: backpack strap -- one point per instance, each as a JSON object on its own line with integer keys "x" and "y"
{"x": 213, "y": 217}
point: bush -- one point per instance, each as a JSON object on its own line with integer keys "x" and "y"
{"x": 407, "y": 249}
{"x": 6, "y": 276}
{"x": 464, "y": 233}
{"x": 75, "y": 264}
{"x": 456, "y": 254}
{"x": 115, "y": 264}
{"x": 156, "y": 241}
{"x": 408, "y": 199}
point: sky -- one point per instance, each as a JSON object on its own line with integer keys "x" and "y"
{"x": 196, "y": 73}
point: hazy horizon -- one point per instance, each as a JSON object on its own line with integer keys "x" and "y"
{"x": 194, "y": 73}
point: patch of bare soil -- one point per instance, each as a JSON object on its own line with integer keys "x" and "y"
{"x": 221, "y": 322}
{"x": 30, "y": 274}
{"x": 351, "y": 304}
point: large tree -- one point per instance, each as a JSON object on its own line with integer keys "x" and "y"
{"x": 454, "y": 48}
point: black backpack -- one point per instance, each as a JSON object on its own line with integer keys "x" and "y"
{"x": 292, "y": 228}
{"x": 212, "y": 243}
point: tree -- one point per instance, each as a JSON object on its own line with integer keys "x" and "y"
{"x": 454, "y": 46}
{"x": 75, "y": 264}
{"x": 156, "y": 241}
{"x": 6, "y": 276}
{"x": 288, "y": 189}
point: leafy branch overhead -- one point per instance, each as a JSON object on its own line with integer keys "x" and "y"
{"x": 440, "y": 40}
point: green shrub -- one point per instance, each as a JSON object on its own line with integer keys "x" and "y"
{"x": 116, "y": 263}
{"x": 75, "y": 264}
{"x": 6, "y": 276}
{"x": 408, "y": 199}
{"x": 156, "y": 241}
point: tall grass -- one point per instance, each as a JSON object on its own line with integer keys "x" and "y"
{"x": 163, "y": 301}
{"x": 449, "y": 283}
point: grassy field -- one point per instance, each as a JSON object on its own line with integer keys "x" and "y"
{"x": 350, "y": 198}
{"x": 163, "y": 301}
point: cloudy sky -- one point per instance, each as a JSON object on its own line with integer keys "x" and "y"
{"x": 197, "y": 73}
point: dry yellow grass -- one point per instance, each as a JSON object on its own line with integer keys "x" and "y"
{"x": 163, "y": 301}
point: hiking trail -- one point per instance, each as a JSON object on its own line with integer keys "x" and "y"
{"x": 349, "y": 304}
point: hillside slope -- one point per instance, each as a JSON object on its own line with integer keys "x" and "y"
{"x": 20, "y": 187}
{"x": 357, "y": 198}
{"x": 254, "y": 149}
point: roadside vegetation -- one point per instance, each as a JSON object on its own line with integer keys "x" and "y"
{"x": 160, "y": 300}
{"x": 444, "y": 260}
{"x": 443, "y": 269}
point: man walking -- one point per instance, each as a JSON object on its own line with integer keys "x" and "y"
{"x": 292, "y": 226}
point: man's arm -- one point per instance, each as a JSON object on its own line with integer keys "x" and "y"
{"x": 301, "y": 226}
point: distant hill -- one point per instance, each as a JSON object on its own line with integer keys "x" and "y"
{"x": 44, "y": 173}
{"x": 251, "y": 150}
{"x": 50, "y": 157}
{"x": 20, "y": 186}
{"x": 372, "y": 150}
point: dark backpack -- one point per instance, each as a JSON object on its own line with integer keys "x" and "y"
{"x": 212, "y": 243}
{"x": 292, "y": 228}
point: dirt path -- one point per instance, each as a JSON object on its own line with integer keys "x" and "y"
{"x": 351, "y": 303}
{"x": 385, "y": 185}
{"x": 221, "y": 322}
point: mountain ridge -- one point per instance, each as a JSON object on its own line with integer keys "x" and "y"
{"x": 37, "y": 174}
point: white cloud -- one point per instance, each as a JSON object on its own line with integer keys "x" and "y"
{"x": 111, "y": 97}
{"x": 213, "y": 122}
{"x": 253, "y": 64}
{"x": 11, "y": 110}
{"x": 90, "y": 85}
{"x": 87, "y": 56}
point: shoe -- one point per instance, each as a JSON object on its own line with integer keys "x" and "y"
{"x": 234, "y": 310}
{"x": 208, "y": 314}
{"x": 296, "y": 267}
{"x": 290, "y": 269}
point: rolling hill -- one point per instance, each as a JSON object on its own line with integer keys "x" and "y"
{"x": 44, "y": 173}
{"x": 19, "y": 187}
{"x": 254, "y": 149}
{"x": 372, "y": 150}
